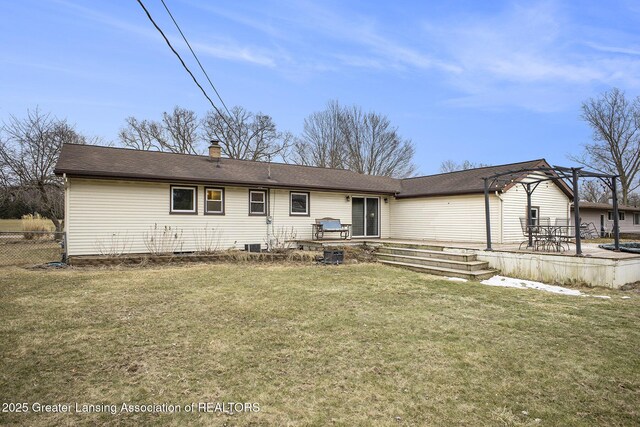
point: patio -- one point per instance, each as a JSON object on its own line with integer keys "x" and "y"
{"x": 594, "y": 267}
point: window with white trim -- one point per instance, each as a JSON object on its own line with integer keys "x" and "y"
{"x": 183, "y": 199}
{"x": 298, "y": 203}
{"x": 636, "y": 219}
{"x": 621, "y": 215}
{"x": 214, "y": 201}
{"x": 257, "y": 202}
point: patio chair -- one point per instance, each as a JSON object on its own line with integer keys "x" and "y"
{"x": 525, "y": 232}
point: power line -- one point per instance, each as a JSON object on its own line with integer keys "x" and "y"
{"x": 195, "y": 56}
{"x": 184, "y": 65}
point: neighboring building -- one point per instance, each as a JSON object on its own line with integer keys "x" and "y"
{"x": 601, "y": 215}
{"x": 119, "y": 195}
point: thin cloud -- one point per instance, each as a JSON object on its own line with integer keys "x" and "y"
{"x": 526, "y": 56}
{"x": 223, "y": 50}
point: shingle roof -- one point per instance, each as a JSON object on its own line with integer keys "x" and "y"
{"x": 606, "y": 206}
{"x": 460, "y": 182}
{"x": 123, "y": 163}
{"x": 110, "y": 162}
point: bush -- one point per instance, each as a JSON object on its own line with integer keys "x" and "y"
{"x": 34, "y": 226}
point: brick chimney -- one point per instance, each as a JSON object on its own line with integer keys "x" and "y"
{"x": 214, "y": 149}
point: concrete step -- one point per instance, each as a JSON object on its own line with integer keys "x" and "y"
{"x": 435, "y": 262}
{"x": 428, "y": 253}
{"x": 413, "y": 246}
{"x": 441, "y": 271}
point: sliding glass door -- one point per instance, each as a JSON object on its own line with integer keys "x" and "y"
{"x": 365, "y": 216}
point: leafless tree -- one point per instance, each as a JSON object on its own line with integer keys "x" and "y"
{"x": 321, "y": 143}
{"x": 594, "y": 191}
{"x": 349, "y": 138}
{"x": 245, "y": 135}
{"x": 29, "y": 149}
{"x": 452, "y": 166}
{"x": 177, "y": 132}
{"x": 374, "y": 146}
{"x": 615, "y": 121}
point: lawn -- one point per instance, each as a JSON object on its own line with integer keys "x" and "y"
{"x": 361, "y": 344}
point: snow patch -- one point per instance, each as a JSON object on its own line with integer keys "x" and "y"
{"x": 456, "y": 279}
{"x": 510, "y": 282}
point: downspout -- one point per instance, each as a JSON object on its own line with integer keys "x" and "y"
{"x": 65, "y": 219}
{"x": 501, "y": 216}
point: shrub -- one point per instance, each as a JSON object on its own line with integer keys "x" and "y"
{"x": 163, "y": 240}
{"x": 114, "y": 246}
{"x": 34, "y": 226}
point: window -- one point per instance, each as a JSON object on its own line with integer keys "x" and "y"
{"x": 214, "y": 201}
{"x": 183, "y": 200}
{"x": 298, "y": 204}
{"x": 257, "y": 202}
{"x": 636, "y": 219}
{"x": 620, "y": 215}
{"x": 534, "y": 216}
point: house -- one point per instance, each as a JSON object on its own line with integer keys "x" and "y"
{"x": 601, "y": 215}
{"x": 121, "y": 194}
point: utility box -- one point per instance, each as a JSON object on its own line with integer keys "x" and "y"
{"x": 253, "y": 247}
{"x": 333, "y": 257}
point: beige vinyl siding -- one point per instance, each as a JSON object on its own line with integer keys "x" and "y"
{"x": 99, "y": 210}
{"x": 444, "y": 218}
{"x": 593, "y": 215}
{"x": 553, "y": 203}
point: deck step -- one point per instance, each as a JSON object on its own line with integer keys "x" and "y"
{"x": 435, "y": 262}
{"x": 442, "y": 271}
{"x": 423, "y": 246}
{"x": 428, "y": 253}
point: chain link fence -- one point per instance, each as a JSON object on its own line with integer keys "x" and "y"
{"x": 25, "y": 248}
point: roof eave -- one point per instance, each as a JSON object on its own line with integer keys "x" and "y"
{"x": 155, "y": 178}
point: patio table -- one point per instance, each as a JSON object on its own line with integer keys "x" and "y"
{"x": 552, "y": 237}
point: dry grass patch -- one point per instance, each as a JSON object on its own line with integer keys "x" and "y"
{"x": 351, "y": 345}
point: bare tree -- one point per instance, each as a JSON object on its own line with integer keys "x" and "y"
{"x": 615, "y": 121}
{"x": 374, "y": 146}
{"x": 177, "y": 132}
{"x": 245, "y": 135}
{"x": 29, "y": 149}
{"x": 348, "y": 138}
{"x": 452, "y": 166}
{"x": 594, "y": 191}
{"x": 321, "y": 143}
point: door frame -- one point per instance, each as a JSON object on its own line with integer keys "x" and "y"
{"x": 378, "y": 214}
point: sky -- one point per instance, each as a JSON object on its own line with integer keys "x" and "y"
{"x": 487, "y": 81}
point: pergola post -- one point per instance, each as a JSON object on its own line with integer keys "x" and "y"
{"x": 616, "y": 228}
{"x": 487, "y": 213}
{"x": 529, "y": 225}
{"x": 576, "y": 210}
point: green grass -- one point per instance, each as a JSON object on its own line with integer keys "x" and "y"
{"x": 351, "y": 345}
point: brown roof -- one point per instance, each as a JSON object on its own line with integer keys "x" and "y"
{"x": 467, "y": 181}
{"x": 606, "y": 206}
{"x": 110, "y": 162}
{"x": 122, "y": 163}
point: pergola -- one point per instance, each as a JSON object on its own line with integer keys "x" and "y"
{"x": 536, "y": 176}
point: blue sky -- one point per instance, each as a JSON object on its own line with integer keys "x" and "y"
{"x": 489, "y": 81}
